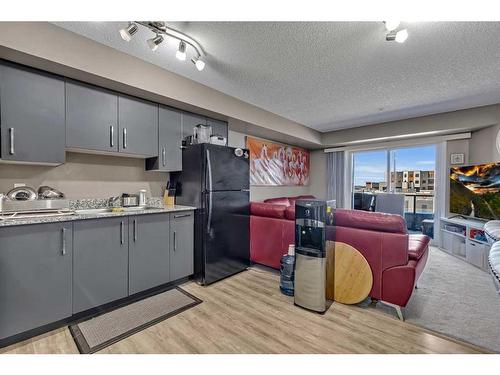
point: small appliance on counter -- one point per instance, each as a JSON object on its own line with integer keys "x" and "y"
{"x": 129, "y": 200}
{"x": 218, "y": 140}
{"x": 310, "y": 254}
{"x": 23, "y": 201}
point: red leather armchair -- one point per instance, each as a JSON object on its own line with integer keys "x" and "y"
{"x": 396, "y": 258}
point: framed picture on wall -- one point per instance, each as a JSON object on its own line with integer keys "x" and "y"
{"x": 457, "y": 159}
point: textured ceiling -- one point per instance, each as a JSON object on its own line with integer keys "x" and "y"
{"x": 333, "y": 75}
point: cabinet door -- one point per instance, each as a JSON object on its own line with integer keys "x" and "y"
{"x": 169, "y": 142}
{"x": 189, "y": 122}
{"x": 148, "y": 251}
{"x": 35, "y": 276}
{"x": 31, "y": 115}
{"x": 218, "y": 127}
{"x": 138, "y": 121}
{"x": 181, "y": 245}
{"x": 91, "y": 117}
{"x": 100, "y": 269}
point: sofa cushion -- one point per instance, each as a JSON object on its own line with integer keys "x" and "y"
{"x": 267, "y": 210}
{"x": 281, "y": 200}
{"x": 417, "y": 245}
{"x": 290, "y": 213}
{"x": 375, "y": 221}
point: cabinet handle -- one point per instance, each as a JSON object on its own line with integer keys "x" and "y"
{"x": 124, "y": 137}
{"x": 135, "y": 230}
{"x": 63, "y": 250}
{"x": 112, "y": 136}
{"x": 175, "y": 240}
{"x": 11, "y": 137}
{"x": 121, "y": 232}
{"x": 163, "y": 156}
{"x": 179, "y": 216}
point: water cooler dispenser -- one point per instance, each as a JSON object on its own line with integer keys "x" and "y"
{"x": 310, "y": 254}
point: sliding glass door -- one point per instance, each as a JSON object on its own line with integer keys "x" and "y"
{"x": 409, "y": 171}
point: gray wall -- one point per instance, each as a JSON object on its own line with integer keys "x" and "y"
{"x": 482, "y": 146}
{"x": 87, "y": 176}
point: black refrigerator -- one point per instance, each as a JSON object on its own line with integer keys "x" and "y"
{"x": 215, "y": 180}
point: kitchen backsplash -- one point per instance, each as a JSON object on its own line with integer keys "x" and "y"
{"x": 87, "y": 176}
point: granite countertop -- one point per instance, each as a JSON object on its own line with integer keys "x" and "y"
{"x": 88, "y": 211}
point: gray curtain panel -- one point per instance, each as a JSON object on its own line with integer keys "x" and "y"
{"x": 335, "y": 177}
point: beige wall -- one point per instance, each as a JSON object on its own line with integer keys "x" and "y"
{"x": 317, "y": 185}
{"x": 87, "y": 176}
{"x": 482, "y": 146}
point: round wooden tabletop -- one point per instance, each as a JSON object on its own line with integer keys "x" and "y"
{"x": 351, "y": 279}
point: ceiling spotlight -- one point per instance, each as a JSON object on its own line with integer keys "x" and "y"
{"x": 199, "y": 63}
{"x": 127, "y": 32}
{"x": 399, "y": 36}
{"x": 391, "y": 25}
{"x": 153, "y": 43}
{"x": 181, "y": 52}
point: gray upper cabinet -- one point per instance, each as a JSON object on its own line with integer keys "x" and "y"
{"x": 169, "y": 142}
{"x": 31, "y": 115}
{"x": 100, "y": 271}
{"x": 35, "y": 276}
{"x": 138, "y": 122}
{"x": 91, "y": 117}
{"x": 148, "y": 251}
{"x": 181, "y": 245}
{"x": 218, "y": 127}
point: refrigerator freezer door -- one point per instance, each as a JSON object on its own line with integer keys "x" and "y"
{"x": 225, "y": 169}
{"x": 226, "y": 234}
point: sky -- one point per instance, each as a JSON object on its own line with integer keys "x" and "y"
{"x": 372, "y": 165}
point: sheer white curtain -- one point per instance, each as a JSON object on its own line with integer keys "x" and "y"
{"x": 335, "y": 164}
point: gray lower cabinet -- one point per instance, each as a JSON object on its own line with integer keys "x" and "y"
{"x": 35, "y": 276}
{"x": 181, "y": 244}
{"x": 91, "y": 117}
{"x": 31, "y": 115}
{"x": 138, "y": 122}
{"x": 149, "y": 261}
{"x": 169, "y": 157}
{"x": 100, "y": 271}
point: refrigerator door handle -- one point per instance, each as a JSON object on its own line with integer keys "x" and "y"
{"x": 209, "y": 171}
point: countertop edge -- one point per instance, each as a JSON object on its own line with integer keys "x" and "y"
{"x": 91, "y": 216}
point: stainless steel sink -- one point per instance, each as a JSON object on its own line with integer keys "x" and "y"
{"x": 107, "y": 210}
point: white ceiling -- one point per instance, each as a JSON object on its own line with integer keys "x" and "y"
{"x": 333, "y": 75}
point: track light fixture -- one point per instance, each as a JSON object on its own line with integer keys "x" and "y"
{"x": 153, "y": 43}
{"x": 399, "y": 36}
{"x": 160, "y": 29}
{"x": 199, "y": 63}
{"x": 181, "y": 52}
{"x": 127, "y": 32}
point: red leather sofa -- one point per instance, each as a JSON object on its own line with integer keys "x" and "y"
{"x": 396, "y": 258}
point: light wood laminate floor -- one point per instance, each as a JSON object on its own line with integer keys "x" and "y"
{"x": 247, "y": 313}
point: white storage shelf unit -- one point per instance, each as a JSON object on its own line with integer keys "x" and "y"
{"x": 457, "y": 238}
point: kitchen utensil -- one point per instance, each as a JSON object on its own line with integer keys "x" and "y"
{"x": 142, "y": 197}
{"x": 202, "y": 133}
{"x": 47, "y": 192}
{"x": 22, "y": 193}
